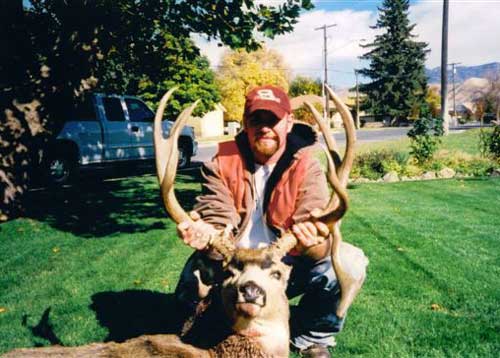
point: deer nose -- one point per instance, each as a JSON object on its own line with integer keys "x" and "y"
{"x": 251, "y": 291}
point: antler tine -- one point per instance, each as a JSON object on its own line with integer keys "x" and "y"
{"x": 330, "y": 141}
{"x": 167, "y": 156}
{"x": 167, "y": 160}
{"x": 333, "y": 212}
{"x": 161, "y": 144}
{"x": 350, "y": 130}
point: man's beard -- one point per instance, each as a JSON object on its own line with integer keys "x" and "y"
{"x": 266, "y": 149}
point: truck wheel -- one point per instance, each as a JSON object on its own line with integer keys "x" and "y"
{"x": 59, "y": 169}
{"x": 184, "y": 155}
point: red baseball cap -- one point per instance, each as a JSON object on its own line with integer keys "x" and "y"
{"x": 268, "y": 98}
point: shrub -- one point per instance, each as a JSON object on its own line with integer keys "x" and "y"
{"x": 373, "y": 165}
{"x": 425, "y": 137}
{"x": 411, "y": 170}
{"x": 489, "y": 142}
{"x": 462, "y": 163}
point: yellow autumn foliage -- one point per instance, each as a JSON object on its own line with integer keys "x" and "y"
{"x": 240, "y": 71}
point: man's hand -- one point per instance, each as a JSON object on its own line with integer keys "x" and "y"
{"x": 197, "y": 233}
{"x": 309, "y": 234}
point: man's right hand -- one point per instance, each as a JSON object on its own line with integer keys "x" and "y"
{"x": 196, "y": 233}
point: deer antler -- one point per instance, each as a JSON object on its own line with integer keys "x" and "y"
{"x": 349, "y": 285}
{"x": 167, "y": 155}
{"x": 338, "y": 174}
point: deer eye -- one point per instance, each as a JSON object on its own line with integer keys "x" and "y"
{"x": 276, "y": 275}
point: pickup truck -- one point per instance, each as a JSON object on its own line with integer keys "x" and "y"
{"x": 105, "y": 130}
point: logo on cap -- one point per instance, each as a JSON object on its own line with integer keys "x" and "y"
{"x": 268, "y": 95}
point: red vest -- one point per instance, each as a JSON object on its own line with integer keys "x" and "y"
{"x": 236, "y": 177}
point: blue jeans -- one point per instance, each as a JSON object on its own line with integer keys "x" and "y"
{"x": 313, "y": 320}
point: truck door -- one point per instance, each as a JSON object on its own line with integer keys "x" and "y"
{"x": 141, "y": 126}
{"x": 116, "y": 130}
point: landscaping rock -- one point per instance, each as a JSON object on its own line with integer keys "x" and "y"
{"x": 391, "y": 177}
{"x": 429, "y": 175}
{"x": 495, "y": 172}
{"x": 446, "y": 173}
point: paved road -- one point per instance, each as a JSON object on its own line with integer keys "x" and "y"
{"x": 207, "y": 151}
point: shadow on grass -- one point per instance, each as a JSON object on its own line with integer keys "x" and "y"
{"x": 44, "y": 329}
{"x": 96, "y": 207}
{"x": 132, "y": 313}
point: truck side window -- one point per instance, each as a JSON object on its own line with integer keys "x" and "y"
{"x": 113, "y": 109}
{"x": 138, "y": 111}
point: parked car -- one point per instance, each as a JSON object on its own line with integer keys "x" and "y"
{"x": 105, "y": 130}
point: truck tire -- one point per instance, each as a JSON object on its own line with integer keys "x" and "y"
{"x": 59, "y": 169}
{"x": 184, "y": 155}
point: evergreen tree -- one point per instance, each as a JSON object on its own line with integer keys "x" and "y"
{"x": 396, "y": 65}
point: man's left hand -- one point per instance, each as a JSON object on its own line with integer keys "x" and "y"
{"x": 309, "y": 234}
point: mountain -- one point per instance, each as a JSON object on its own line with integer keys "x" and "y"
{"x": 466, "y": 92}
{"x": 464, "y": 72}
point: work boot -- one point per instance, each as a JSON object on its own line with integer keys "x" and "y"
{"x": 315, "y": 351}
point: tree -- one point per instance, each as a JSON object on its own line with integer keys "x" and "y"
{"x": 492, "y": 95}
{"x": 304, "y": 114}
{"x": 396, "y": 65}
{"x": 433, "y": 100}
{"x": 305, "y": 85}
{"x": 240, "y": 71}
{"x": 54, "y": 51}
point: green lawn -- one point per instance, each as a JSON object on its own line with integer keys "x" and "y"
{"x": 466, "y": 141}
{"x": 101, "y": 262}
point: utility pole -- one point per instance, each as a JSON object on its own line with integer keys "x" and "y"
{"x": 326, "y": 109}
{"x": 453, "y": 80}
{"x": 358, "y": 124}
{"x": 444, "y": 69}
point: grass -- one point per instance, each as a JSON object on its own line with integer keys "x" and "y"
{"x": 466, "y": 141}
{"x": 100, "y": 263}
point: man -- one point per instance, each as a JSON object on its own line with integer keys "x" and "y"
{"x": 266, "y": 180}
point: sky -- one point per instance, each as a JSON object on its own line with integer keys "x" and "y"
{"x": 474, "y": 29}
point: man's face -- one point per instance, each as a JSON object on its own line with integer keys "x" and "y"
{"x": 267, "y": 135}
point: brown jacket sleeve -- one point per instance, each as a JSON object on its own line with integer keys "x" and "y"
{"x": 216, "y": 204}
{"x": 313, "y": 193}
